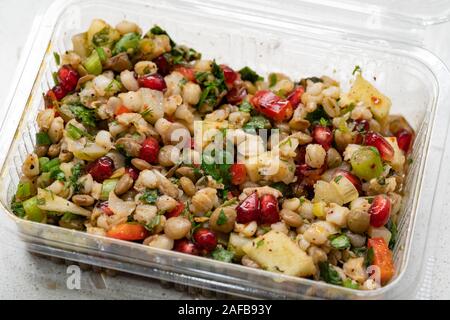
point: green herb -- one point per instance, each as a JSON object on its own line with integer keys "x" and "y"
{"x": 410, "y": 160}
{"x": 222, "y": 254}
{"x": 57, "y": 174}
{"x": 229, "y": 202}
{"x": 57, "y": 58}
{"x": 101, "y": 38}
{"x": 313, "y": 79}
{"x": 349, "y": 283}
{"x": 68, "y": 216}
{"x": 157, "y": 30}
{"x": 260, "y": 243}
{"x": 356, "y": 69}
{"x": 181, "y": 55}
{"x": 182, "y": 82}
{"x": 337, "y": 179}
{"x": 392, "y": 227}
{"x": 257, "y": 122}
{"x": 212, "y": 88}
{"x": 83, "y": 114}
{"x": 245, "y": 106}
{"x": 147, "y": 112}
{"x": 348, "y": 108}
{"x": 149, "y": 196}
{"x": 222, "y": 218}
{"x": 283, "y": 188}
{"x": 43, "y": 139}
{"x": 77, "y": 170}
{"x": 369, "y": 257}
{"x": 329, "y": 274}
{"x": 318, "y": 114}
{"x": 272, "y": 80}
{"x": 48, "y": 166}
{"x": 113, "y": 87}
{"x": 360, "y": 252}
{"x": 340, "y": 242}
{"x": 153, "y": 223}
{"x": 76, "y": 133}
{"x": 55, "y": 78}
{"x": 370, "y": 200}
{"x": 101, "y": 54}
{"x": 324, "y": 122}
{"x": 302, "y": 200}
{"x": 248, "y": 74}
{"x": 220, "y": 170}
{"x": 17, "y": 209}
{"x": 129, "y": 43}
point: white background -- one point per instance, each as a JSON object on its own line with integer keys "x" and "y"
{"x": 25, "y": 276}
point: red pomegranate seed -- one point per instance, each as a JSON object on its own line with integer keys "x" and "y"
{"x": 379, "y": 211}
{"x": 248, "y": 210}
{"x": 149, "y": 150}
{"x": 153, "y": 81}
{"x": 404, "y": 138}
{"x": 104, "y": 206}
{"x": 101, "y": 169}
{"x": 323, "y": 136}
{"x": 307, "y": 175}
{"x": 362, "y": 125}
{"x": 236, "y": 94}
{"x": 59, "y": 92}
{"x": 269, "y": 209}
{"x": 163, "y": 65}
{"x": 185, "y": 246}
{"x": 230, "y": 75}
{"x": 295, "y": 97}
{"x": 132, "y": 172}
{"x": 238, "y": 173}
{"x": 205, "y": 239}
{"x": 351, "y": 177}
{"x": 68, "y": 78}
{"x": 188, "y": 73}
{"x": 177, "y": 211}
{"x": 376, "y": 140}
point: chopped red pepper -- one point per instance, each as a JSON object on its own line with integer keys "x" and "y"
{"x": 271, "y": 105}
{"x": 382, "y": 258}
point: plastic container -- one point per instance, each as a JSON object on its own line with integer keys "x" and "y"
{"x": 299, "y": 39}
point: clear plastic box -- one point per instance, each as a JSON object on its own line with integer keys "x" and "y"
{"x": 298, "y": 38}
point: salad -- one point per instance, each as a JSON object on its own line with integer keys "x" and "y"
{"x": 143, "y": 140}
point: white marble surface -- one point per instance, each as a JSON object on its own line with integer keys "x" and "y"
{"x": 26, "y": 276}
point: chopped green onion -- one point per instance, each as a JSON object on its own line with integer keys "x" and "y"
{"x": 43, "y": 139}
{"x": 108, "y": 186}
{"x": 93, "y": 64}
{"x": 57, "y": 58}
{"x": 101, "y": 54}
{"x": 43, "y": 161}
{"x": 32, "y": 210}
{"x": 47, "y": 167}
{"x": 23, "y": 190}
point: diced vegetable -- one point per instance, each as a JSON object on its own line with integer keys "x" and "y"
{"x": 48, "y": 201}
{"x": 129, "y": 43}
{"x": 32, "y": 210}
{"x": 382, "y": 258}
{"x": 128, "y": 232}
{"x": 366, "y": 163}
{"x": 107, "y": 187}
{"x": 340, "y": 242}
{"x": 93, "y": 64}
{"x": 50, "y": 165}
{"x": 24, "y": 190}
{"x": 221, "y": 254}
{"x": 42, "y": 139}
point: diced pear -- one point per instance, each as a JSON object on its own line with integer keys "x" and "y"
{"x": 48, "y": 201}
{"x": 324, "y": 191}
{"x": 276, "y": 252}
{"x": 346, "y": 190}
{"x": 398, "y": 160}
{"x": 90, "y": 152}
{"x": 236, "y": 243}
{"x": 364, "y": 91}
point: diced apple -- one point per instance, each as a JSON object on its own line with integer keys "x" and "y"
{"x": 48, "y": 201}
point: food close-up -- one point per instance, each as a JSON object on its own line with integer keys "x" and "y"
{"x": 293, "y": 174}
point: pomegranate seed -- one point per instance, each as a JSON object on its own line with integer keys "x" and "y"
{"x": 68, "y": 78}
{"x": 163, "y": 65}
{"x": 362, "y": 125}
{"x": 300, "y": 156}
{"x": 351, "y": 177}
{"x": 308, "y": 175}
{"x": 205, "y": 239}
{"x": 236, "y": 94}
{"x": 101, "y": 169}
{"x": 295, "y": 97}
{"x": 248, "y": 210}
{"x": 149, "y": 150}
{"x": 132, "y": 172}
{"x": 404, "y": 138}
{"x": 176, "y": 211}
{"x": 269, "y": 209}
{"x": 59, "y": 92}
{"x": 188, "y": 73}
{"x": 153, "y": 81}
{"x": 376, "y": 140}
{"x": 185, "y": 246}
{"x": 323, "y": 136}
{"x": 238, "y": 173}
{"x": 379, "y": 211}
{"x": 230, "y": 75}
{"x": 104, "y": 206}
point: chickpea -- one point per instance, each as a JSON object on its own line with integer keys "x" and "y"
{"x": 168, "y": 156}
{"x": 291, "y": 218}
{"x": 315, "y": 155}
{"x": 223, "y": 219}
{"x": 191, "y": 93}
{"x": 177, "y": 228}
{"x": 160, "y": 241}
{"x": 166, "y": 203}
{"x": 291, "y": 204}
{"x": 358, "y": 221}
{"x": 188, "y": 186}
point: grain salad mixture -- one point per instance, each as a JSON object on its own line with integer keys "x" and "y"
{"x": 143, "y": 140}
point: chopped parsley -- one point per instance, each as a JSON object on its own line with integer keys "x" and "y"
{"x": 356, "y": 69}
{"x": 153, "y": 223}
{"x": 340, "y": 242}
{"x": 219, "y": 170}
{"x": 257, "y": 122}
{"x": 272, "y": 79}
{"x": 212, "y": 87}
{"x": 77, "y": 170}
{"x": 222, "y": 218}
{"x": 369, "y": 257}
{"x": 57, "y": 58}
{"x": 317, "y": 115}
{"x": 222, "y": 254}
{"x": 329, "y": 274}
{"x": 392, "y": 227}
{"x": 248, "y": 74}
{"x": 149, "y": 196}
{"x": 245, "y": 106}
{"x": 260, "y": 243}
{"x": 17, "y": 209}
{"x": 349, "y": 283}
{"x": 157, "y": 30}
{"x": 83, "y": 114}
